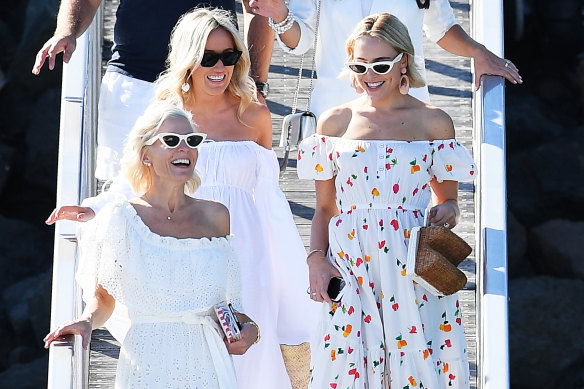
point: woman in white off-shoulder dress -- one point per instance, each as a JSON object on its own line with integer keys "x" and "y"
{"x": 377, "y": 162}
{"x": 167, "y": 258}
{"x": 239, "y": 169}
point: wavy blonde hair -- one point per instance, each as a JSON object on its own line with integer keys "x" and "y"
{"x": 187, "y": 46}
{"x": 391, "y": 30}
{"x": 132, "y": 166}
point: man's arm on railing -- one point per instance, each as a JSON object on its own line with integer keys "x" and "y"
{"x": 73, "y": 19}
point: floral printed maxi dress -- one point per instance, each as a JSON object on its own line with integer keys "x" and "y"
{"x": 386, "y": 330}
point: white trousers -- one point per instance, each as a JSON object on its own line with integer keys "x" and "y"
{"x": 122, "y": 100}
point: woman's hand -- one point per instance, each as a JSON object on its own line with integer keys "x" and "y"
{"x": 485, "y": 62}
{"x": 249, "y": 334}
{"x": 75, "y": 327}
{"x": 71, "y": 212}
{"x": 275, "y": 9}
{"x": 320, "y": 273}
{"x": 445, "y": 214}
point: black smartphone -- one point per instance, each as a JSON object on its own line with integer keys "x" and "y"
{"x": 232, "y": 310}
{"x": 336, "y": 284}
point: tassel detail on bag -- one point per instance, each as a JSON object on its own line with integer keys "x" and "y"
{"x": 297, "y": 362}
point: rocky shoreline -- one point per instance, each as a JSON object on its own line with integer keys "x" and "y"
{"x": 545, "y": 163}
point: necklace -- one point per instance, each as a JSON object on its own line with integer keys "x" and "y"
{"x": 169, "y": 218}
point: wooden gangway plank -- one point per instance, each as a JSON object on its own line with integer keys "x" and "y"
{"x": 449, "y": 81}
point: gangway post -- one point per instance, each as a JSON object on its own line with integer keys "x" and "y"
{"x": 491, "y": 206}
{"x": 68, "y": 362}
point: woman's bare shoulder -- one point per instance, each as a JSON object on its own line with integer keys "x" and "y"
{"x": 438, "y": 123}
{"x": 212, "y": 213}
{"x": 257, "y": 116}
{"x": 334, "y": 121}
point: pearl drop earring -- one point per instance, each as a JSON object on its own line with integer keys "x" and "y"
{"x": 185, "y": 87}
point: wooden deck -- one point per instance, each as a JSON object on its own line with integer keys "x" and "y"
{"x": 450, "y": 84}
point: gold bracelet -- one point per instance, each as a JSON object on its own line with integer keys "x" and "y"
{"x": 315, "y": 251}
{"x": 253, "y": 323}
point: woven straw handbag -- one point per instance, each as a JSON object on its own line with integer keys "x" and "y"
{"x": 434, "y": 252}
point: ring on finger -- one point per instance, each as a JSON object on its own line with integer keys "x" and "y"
{"x": 446, "y": 225}
{"x": 507, "y": 62}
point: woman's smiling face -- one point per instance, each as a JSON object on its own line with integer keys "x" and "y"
{"x": 215, "y": 79}
{"x": 370, "y": 49}
{"x": 172, "y": 163}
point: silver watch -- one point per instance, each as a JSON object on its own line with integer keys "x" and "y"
{"x": 263, "y": 88}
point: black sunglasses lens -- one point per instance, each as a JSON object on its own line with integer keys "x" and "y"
{"x": 359, "y": 69}
{"x": 210, "y": 59}
{"x": 381, "y": 69}
{"x": 170, "y": 140}
{"x": 230, "y": 58}
{"x": 194, "y": 140}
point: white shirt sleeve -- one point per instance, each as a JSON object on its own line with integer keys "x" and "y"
{"x": 305, "y": 12}
{"x": 438, "y": 19}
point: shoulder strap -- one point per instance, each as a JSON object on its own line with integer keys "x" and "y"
{"x": 284, "y": 161}
{"x": 313, "y": 71}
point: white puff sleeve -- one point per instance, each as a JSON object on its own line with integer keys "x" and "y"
{"x": 315, "y": 158}
{"x": 438, "y": 19}
{"x": 451, "y": 161}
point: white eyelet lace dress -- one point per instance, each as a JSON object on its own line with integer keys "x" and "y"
{"x": 169, "y": 287}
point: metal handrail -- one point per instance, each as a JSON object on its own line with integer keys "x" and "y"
{"x": 491, "y": 206}
{"x": 68, "y": 362}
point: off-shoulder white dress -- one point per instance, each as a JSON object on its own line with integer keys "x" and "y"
{"x": 244, "y": 176}
{"x": 169, "y": 287}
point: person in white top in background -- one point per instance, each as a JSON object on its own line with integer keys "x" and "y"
{"x": 337, "y": 19}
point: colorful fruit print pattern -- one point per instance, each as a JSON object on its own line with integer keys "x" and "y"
{"x": 386, "y": 330}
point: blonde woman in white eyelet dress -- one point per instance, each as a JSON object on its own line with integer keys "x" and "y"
{"x": 167, "y": 257}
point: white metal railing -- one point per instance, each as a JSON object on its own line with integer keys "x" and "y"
{"x": 68, "y": 362}
{"x": 491, "y": 206}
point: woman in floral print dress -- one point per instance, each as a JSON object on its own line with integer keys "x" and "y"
{"x": 377, "y": 162}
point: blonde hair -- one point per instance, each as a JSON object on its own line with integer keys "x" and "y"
{"x": 132, "y": 166}
{"x": 391, "y": 30}
{"x": 187, "y": 46}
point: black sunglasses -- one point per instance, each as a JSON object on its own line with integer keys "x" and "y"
{"x": 170, "y": 140}
{"x": 229, "y": 58}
